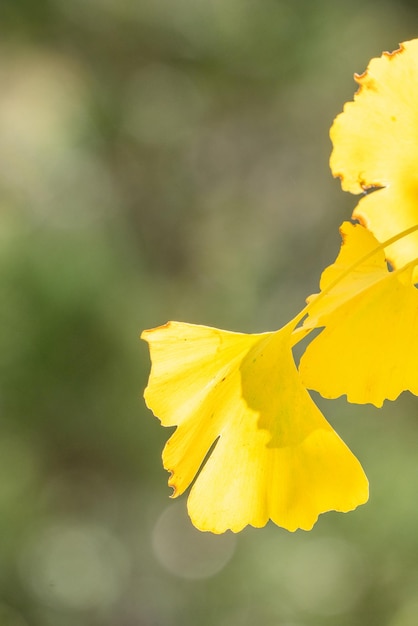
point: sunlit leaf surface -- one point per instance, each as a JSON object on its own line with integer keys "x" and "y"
{"x": 375, "y": 146}
{"x": 369, "y": 347}
{"x": 275, "y": 456}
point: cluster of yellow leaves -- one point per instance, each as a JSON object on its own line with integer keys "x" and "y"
{"x": 248, "y": 433}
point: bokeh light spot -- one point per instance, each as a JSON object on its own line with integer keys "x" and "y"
{"x": 186, "y": 552}
{"x": 74, "y": 565}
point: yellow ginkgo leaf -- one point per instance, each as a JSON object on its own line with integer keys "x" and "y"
{"x": 369, "y": 347}
{"x": 359, "y": 264}
{"x": 375, "y": 147}
{"x": 247, "y": 431}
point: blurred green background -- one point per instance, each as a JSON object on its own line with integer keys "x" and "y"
{"x": 168, "y": 159}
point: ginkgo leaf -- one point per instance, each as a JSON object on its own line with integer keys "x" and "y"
{"x": 375, "y": 147}
{"x": 369, "y": 347}
{"x": 247, "y": 432}
{"x": 359, "y": 264}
